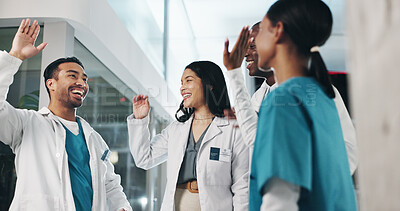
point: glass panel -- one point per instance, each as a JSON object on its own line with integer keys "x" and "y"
{"x": 145, "y": 23}
{"x": 106, "y": 108}
{"x": 23, "y": 93}
{"x": 182, "y": 44}
{"x": 157, "y": 175}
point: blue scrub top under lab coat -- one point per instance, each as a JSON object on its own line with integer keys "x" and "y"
{"x": 79, "y": 169}
{"x": 299, "y": 140}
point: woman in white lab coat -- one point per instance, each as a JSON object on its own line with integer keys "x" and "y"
{"x": 207, "y": 160}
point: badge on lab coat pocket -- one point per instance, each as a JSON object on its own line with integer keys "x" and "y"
{"x": 219, "y": 154}
{"x": 106, "y": 155}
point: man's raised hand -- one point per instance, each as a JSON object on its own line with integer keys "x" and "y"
{"x": 234, "y": 59}
{"x": 23, "y": 46}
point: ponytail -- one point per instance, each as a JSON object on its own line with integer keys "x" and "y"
{"x": 308, "y": 23}
{"x": 318, "y": 70}
{"x": 184, "y": 113}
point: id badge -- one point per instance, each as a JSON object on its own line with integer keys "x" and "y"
{"x": 218, "y": 154}
{"x": 225, "y": 155}
{"x": 106, "y": 155}
{"x": 214, "y": 153}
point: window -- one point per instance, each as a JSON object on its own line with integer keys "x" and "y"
{"x": 23, "y": 93}
{"x": 106, "y": 108}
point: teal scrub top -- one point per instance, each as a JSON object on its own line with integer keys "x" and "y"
{"x": 79, "y": 169}
{"x": 299, "y": 139}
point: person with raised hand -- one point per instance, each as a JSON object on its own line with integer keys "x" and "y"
{"x": 246, "y": 108}
{"x": 299, "y": 160}
{"x": 208, "y": 162}
{"x": 61, "y": 162}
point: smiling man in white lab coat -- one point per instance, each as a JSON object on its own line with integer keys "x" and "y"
{"x": 61, "y": 162}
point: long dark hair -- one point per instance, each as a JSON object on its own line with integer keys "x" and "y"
{"x": 214, "y": 89}
{"x": 308, "y": 23}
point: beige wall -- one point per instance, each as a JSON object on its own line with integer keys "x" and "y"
{"x": 374, "y": 64}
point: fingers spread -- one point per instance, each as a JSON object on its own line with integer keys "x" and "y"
{"x": 241, "y": 43}
{"x": 26, "y": 27}
{"x": 21, "y": 26}
{"x": 241, "y": 36}
{"x": 36, "y": 32}
{"x": 32, "y": 28}
{"x": 226, "y": 51}
{"x": 140, "y": 98}
{"x": 41, "y": 46}
{"x": 244, "y": 37}
{"x": 244, "y": 40}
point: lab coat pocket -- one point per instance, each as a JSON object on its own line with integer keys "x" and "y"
{"x": 39, "y": 202}
{"x": 219, "y": 170}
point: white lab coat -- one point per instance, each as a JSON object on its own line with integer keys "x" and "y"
{"x": 246, "y": 113}
{"x": 222, "y": 185}
{"x": 38, "y": 141}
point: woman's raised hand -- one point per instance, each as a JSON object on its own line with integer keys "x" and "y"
{"x": 141, "y": 106}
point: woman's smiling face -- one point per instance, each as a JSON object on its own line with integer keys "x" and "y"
{"x": 192, "y": 90}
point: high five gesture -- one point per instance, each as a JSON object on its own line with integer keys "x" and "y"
{"x": 235, "y": 58}
{"x": 23, "y": 46}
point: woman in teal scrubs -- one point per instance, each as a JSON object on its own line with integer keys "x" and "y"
{"x": 299, "y": 160}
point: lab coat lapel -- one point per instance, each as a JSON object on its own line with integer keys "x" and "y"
{"x": 214, "y": 129}
{"x": 59, "y": 139}
{"x": 184, "y": 135}
{"x": 87, "y": 131}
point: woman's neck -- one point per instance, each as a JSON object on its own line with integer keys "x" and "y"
{"x": 203, "y": 113}
{"x": 290, "y": 64}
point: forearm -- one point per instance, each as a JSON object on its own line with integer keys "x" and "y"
{"x": 11, "y": 118}
{"x": 146, "y": 153}
{"x": 240, "y": 173}
{"x": 246, "y": 116}
{"x": 115, "y": 196}
{"x": 349, "y": 133}
{"x": 280, "y": 195}
{"x": 8, "y": 67}
{"x": 350, "y": 142}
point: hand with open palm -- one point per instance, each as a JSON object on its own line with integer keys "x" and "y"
{"x": 23, "y": 46}
{"x": 141, "y": 106}
{"x": 234, "y": 59}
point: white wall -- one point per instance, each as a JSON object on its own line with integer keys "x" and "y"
{"x": 374, "y": 63}
{"x": 99, "y": 29}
